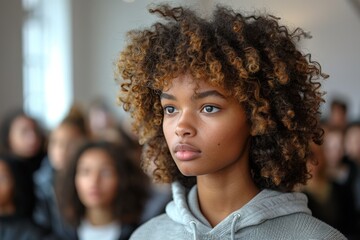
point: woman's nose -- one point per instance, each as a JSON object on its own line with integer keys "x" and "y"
{"x": 186, "y": 125}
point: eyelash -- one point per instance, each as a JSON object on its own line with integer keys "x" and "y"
{"x": 166, "y": 109}
{"x": 212, "y": 107}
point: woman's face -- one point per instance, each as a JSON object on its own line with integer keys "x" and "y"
{"x": 24, "y": 139}
{"x": 6, "y": 185}
{"x": 61, "y": 142}
{"x": 96, "y": 179}
{"x": 206, "y": 131}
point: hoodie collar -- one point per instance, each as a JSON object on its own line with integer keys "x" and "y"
{"x": 267, "y": 204}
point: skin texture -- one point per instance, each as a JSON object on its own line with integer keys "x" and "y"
{"x": 208, "y": 136}
{"x": 215, "y": 126}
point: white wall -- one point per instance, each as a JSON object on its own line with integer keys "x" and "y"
{"x": 11, "y": 89}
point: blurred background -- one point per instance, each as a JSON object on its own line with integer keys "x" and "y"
{"x": 57, "y": 61}
{"x": 56, "y": 52}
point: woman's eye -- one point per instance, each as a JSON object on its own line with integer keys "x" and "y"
{"x": 169, "y": 110}
{"x": 210, "y": 109}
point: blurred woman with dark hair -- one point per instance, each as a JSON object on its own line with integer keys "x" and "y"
{"x": 21, "y": 137}
{"x": 103, "y": 193}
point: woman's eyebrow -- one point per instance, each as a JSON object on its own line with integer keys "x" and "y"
{"x": 196, "y": 96}
{"x": 167, "y": 96}
{"x": 209, "y": 93}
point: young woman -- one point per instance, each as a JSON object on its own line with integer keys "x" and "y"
{"x": 226, "y": 108}
{"x": 104, "y": 192}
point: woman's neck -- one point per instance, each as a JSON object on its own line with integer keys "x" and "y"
{"x": 99, "y": 216}
{"x": 220, "y": 195}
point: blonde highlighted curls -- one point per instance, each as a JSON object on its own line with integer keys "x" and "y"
{"x": 254, "y": 59}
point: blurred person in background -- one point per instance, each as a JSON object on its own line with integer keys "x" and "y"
{"x": 339, "y": 168}
{"x": 101, "y": 121}
{"x": 103, "y": 125}
{"x": 14, "y": 222}
{"x": 63, "y": 140}
{"x": 103, "y": 193}
{"x": 328, "y": 200}
{"x": 22, "y": 137}
{"x": 352, "y": 150}
{"x": 352, "y": 142}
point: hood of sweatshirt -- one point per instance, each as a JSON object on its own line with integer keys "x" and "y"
{"x": 267, "y": 204}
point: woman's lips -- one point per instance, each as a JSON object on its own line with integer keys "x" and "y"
{"x": 186, "y": 152}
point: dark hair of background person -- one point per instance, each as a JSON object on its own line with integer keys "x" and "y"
{"x": 257, "y": 62}
{"x": 339, "y": 103}
{"x": 338, "y": 113}
{"x": 18, "y": 224}
{"x": 22, "y": 194}
{"x": 131, "y": 195}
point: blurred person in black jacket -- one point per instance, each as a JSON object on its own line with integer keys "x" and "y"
{"x": 22, "y": 137}
{"x": 14, "y": 222}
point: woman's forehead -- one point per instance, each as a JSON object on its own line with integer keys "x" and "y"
{"x": 198, "y": 85}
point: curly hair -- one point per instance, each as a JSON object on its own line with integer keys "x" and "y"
{"x": 254, "y": 59}
{"x": 132, "y": 192}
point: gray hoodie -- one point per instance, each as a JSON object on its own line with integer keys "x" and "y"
{"x": 269, "y": 215}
